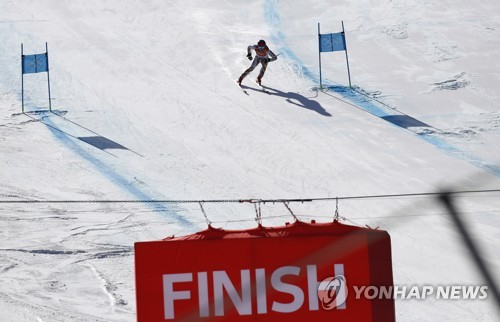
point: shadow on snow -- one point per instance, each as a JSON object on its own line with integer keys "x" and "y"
{"x": 294, "y": 99}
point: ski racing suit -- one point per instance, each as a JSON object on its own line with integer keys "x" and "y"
{"x": 262, "y": 56}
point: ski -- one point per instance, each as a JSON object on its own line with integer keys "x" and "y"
{"x": 261, "y": 87}
{"x": 242, "y": 89}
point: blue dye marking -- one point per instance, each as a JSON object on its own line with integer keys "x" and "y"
{"x": 360, "y": 100}
{"x": 450, "y": 149}
{"x": 111, "y": 174}
{"x": 271, "y": 12}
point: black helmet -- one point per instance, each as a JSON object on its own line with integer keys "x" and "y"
{"x": 261, "y": 43}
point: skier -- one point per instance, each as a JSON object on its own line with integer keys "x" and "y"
{"x": 263, "y": 55}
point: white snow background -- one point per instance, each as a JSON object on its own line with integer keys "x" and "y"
{"x": 146, "y": 108}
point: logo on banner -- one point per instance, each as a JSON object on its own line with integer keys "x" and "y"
{"x": 332, "y": 292}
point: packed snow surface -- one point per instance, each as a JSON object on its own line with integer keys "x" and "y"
{"x": 145, "y": 107}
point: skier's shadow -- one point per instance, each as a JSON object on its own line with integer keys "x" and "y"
{"x": 299, "y": 100}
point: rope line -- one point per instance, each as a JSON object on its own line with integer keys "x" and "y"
{"x": 291, "y": 212}
{"x": 258, "y": 213}
{"x": 205, "y": 214}
{"x": 261, "y": 201}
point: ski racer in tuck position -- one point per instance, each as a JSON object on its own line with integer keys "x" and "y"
{"x": 263, "y": 55}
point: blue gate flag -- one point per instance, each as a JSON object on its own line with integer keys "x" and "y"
{"x": 31, "y": 64}
{"x": 35, "y": 63}
{"x": 332, "y": 42}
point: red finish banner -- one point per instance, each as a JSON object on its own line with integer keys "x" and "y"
{"x": 292, "y": 273}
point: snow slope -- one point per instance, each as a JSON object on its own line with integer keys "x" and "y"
{"x": 146, "y": 108}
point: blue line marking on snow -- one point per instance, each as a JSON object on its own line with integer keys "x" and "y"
{"x": 360, "y": 100}
{"x": 113, "y": 176}
{"x": 278, "y": 38}
{"x": 456, "y": 152}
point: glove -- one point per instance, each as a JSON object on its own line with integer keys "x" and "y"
{"x": 249, "y": 56}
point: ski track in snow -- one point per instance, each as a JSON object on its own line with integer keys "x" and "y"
{"x": 427, "y": 133}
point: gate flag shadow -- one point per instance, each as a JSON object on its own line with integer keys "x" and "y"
{"x": 101, "y": 142}
{"x": 404, "y": 121}
{"x": 89, "y": 136}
